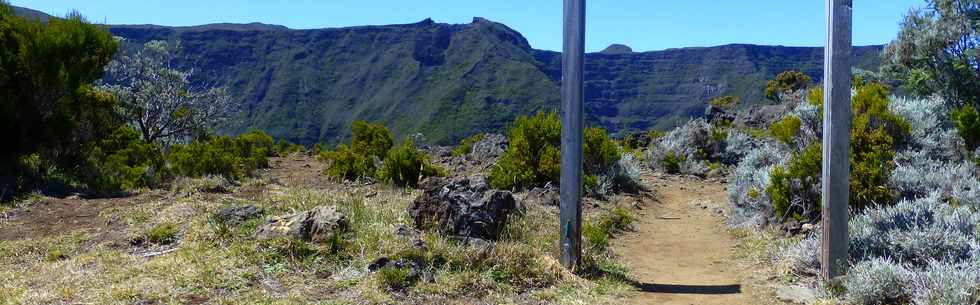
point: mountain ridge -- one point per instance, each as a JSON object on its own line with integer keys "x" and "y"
{"x": 448, "y": 81}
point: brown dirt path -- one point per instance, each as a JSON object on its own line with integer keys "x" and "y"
{"x": 681, "y": 251}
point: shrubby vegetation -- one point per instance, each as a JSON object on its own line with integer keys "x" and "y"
{"x": 233, "y": 157}
{"x": 371, "y": 156}
{"x": 923, "y": 251}
{"x": 124, "y": 161}
{"x": 62, "y": 58}
{"x": 466, "y": 145}
{"x": 406, "y": 165}
{"x": 792, "y": 185}
{"x": 914, "y": 191}
{"x": 533, "y": 158}
{"x": 786, "y": 82}
{"x": 695, "y": 148}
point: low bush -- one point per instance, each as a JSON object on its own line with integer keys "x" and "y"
{"x": 466, "y": 145}
{"x": 725, "y": 102}
{"x": 285, "y": 148}
{"x": 124, "y": 161}
{"x": 967, "y": 123}
{"x": 691, "y": 148}
{"x": 406, "y": 166}
{"x": 599, "y": 152}
{"x": 878, "y": 281}
{"x": 231, "y": 157}
{"x": 786, "y": 129}
{"x": 786, "y": 82}
{"x": 343, "y": 163}
{"x": 936, "y": 244}
{"x": 534, "y": 158}
{"x": 607, "y": 224}
{"x": 876, "y": 132}
{"x": 370, "y": 140}
{"x": 795, "y": 190}
{"x": 369, "y": 146}
{"x": 160, "y": 234}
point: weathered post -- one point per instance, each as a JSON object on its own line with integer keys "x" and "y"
{"x": 836, "y": 138}
{"x": 573, "y": 54}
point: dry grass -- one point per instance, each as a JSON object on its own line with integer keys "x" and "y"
{"x": 221, "y": 264}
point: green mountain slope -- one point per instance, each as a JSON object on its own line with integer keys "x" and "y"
{"x": 448, "y": 81}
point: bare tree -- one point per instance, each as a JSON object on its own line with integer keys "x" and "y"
{"x": 159, "y": 100}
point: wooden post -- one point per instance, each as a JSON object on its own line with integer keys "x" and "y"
{"x": 836, "y": 139}
{"x": 572, "y": 95}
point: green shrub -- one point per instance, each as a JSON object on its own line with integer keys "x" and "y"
{"x": 466, "y": 146}
{"x": 284, "y": 148}
{"x": 392, "y": 278}
{"x": 656, "y": 134}
{"x": 370, "y": 140}
{"x": 406, "y": 166}
{"x": 611, "y": 221}
{"x": 785, "y": 130}
{"x": 798, "y": 180}
{"x": 599, "y": 152}
{"x": 124, "y": 161}
{"x": 534, "y": 157}
{"x": 345, "y": 164}
{"x": 672, "y": 162}
{"x": 161, "y": 234}
{"x": 967, "y": 123}
{"x": 726, "y": 102}
{"x": 369, "y": 143}
{"x": 595, "y": 238}
{"x": 786, "y": 82}
{"x": 222, "y": 155}
{"x": 875, "y": 133}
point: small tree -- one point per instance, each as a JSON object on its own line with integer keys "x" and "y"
{"x": 936, "y": 51}
{"x": 786, "y": 82}
{"x": 159, "y": 100}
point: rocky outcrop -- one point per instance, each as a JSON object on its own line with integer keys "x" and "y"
{"x": 489, "y": 148}
{"x": 543, "y": 196}
{"x": 760, "y": 116}
{"x": 462, "y": 207}
{"x": 236, "y": 215}
{"x": 717, "y": 114}
{"x": 319, "y": 224}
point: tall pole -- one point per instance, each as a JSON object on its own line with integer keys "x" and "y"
{"x": 836, "y": 139}
{"x": 573, "y": 54}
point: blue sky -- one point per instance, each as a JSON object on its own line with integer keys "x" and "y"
{"x": 642, "y": 24}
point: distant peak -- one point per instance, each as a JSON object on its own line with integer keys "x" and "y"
{"x": 617, "y": 49}
{"x": 426, "y": 21}
{"x": 480, "y": 20}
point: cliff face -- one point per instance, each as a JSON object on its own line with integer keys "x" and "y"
{"x": 448, "y": 81}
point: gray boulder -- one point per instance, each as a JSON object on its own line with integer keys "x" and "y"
{"x": 236, "y": 215}
{"x": 490, "y": 147}
{"x": 463, "y": 207}
{"x": 542, "y": 196}
{"x": 319, "y": 224}
{"x": 760, "y": 116}
{"x": 717, "y": 114}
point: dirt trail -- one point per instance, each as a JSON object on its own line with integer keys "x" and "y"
{"x": 681, "y": 252}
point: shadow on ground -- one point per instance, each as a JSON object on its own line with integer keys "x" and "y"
{"x": 689, "y": 289}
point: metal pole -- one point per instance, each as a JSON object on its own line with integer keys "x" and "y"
{"x": 836, "y": 139}
{"x": 573, "y": 54}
